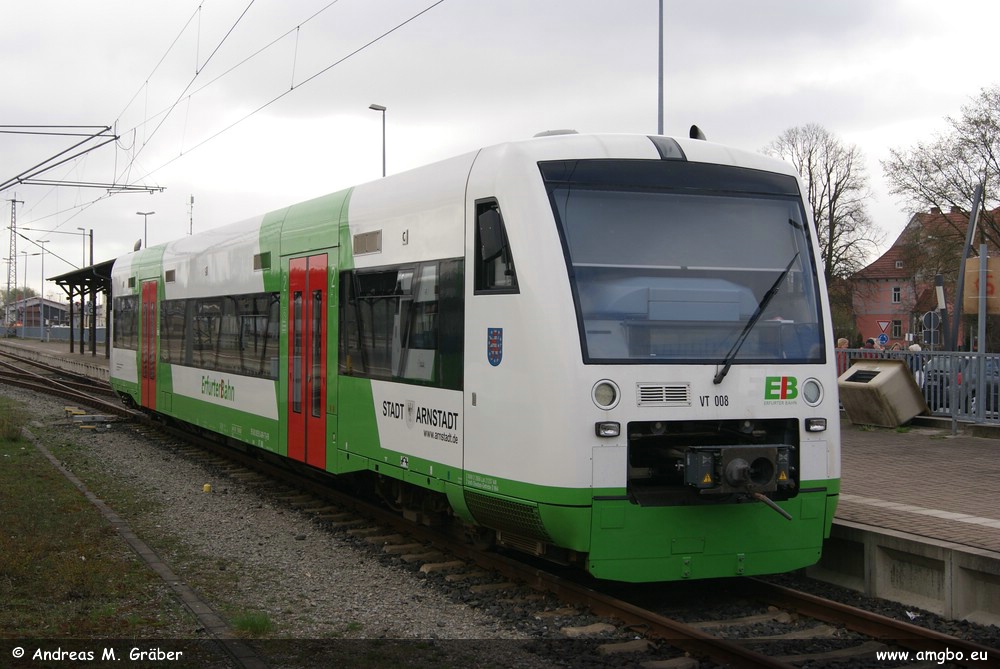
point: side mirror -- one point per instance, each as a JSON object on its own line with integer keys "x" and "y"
{"x": 490, "y": 234}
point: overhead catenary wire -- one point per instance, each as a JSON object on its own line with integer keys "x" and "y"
{"x": 138, "y": 144}
{"x": 305, "y": 81}
{"x": 191, "y": 82}
{"x": 277, "y": 40}
{"x": 166, "y": 53}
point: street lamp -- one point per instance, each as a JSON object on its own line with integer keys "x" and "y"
{"x": 24, "y": 295}
{"x": 380, "y": 108}
{"x": 145, "y": 236}
{"x": 6, "y": 299}
{"x": 659, "y": 104}
{"x": 41, "y": 295}
{"x": 24, "y": 299}
{"x": 83, "y": 238}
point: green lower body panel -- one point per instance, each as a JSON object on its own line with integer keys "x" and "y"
{"x": 640, "y": 544}
{"x": 240, "y": 425}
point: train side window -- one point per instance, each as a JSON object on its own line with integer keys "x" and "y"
{"x": 126, "y": 322}
{"x": 172, "y": 331}
{"x": 494, "y": 271}
{"x": 404, "y": 324}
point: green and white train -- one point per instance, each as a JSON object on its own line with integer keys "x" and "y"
{"x": 607, "y": 350}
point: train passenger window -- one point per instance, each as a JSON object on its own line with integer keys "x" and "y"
{"x": 403, "y": 323}
{"x": 126, "y": 322}
{"x": 172, "y": 314}
{"x": 237, "y": 334}
{"x": 207, "y": 322}
{"x": 494, "y": 262}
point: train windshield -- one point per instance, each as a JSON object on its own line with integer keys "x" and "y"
{"x": 670, "y": 262}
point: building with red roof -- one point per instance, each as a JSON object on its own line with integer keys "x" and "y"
{"x": 891, "y": 295}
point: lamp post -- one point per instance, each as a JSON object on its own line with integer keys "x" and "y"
{"x": 24, "y": 299}
{"x": 6, "y": 301}
{"x": 659, "y": 104}
{"x": 83, "y": 238}
{"x": 380, "y": 108}
{"x": 145, "y": 236}
{"x": 41, "y": 295}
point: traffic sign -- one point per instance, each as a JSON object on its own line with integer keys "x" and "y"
{"x": 883, "y": 339}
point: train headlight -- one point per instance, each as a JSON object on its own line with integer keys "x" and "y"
{"x": 606, "y": 394}
{"x": 812, "y": 392}
{"x": 815, "y": 424}
{"x": 607, "y": 428}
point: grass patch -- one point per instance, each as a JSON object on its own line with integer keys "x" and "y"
{"x": 253, "y": 623}
{"x": 215, "y": 579}
{"x": 64, "y": 571}
{"x": 12, "y": 418}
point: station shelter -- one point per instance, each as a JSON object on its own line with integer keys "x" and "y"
{"x": 82, "y": 286}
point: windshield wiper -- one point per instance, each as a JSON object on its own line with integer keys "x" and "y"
{"x": 768, "y": 296}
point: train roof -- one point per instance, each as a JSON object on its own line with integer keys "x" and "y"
{"x": 568, "y": 145}
{"x": 215, "y": 246}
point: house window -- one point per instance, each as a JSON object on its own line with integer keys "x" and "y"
{"x": 897, "y": 329}
{"x": 897, "y": 295}
{"x": 899, "y": 264}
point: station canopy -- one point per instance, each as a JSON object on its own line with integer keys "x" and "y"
{"x": 82, "y": 286}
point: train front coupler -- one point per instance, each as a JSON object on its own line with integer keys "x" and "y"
{"x": 749, "y": 471}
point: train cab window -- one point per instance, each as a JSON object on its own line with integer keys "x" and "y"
{"x": 494, "y": 262}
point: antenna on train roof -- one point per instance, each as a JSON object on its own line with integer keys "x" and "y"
{"x": 138, "y": 244}
{"x": 696, "y": 133}
{"x": 550, "y": 133}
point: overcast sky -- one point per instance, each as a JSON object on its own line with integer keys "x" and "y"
{"x": 203, "y": 109}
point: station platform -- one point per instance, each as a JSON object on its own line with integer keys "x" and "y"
{"x": 923, "y": 480}
{"x": 57, "y": 354}
{"x": 918, "y": 519}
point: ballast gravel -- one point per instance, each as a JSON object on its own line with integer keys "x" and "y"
{"x": 248, "y": 554}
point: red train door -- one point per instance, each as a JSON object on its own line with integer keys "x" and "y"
{"x": 307, "y": 335}
{"x": 147, "y": 347}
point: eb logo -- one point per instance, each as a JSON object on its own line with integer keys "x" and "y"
{"x": 781, "y": 388}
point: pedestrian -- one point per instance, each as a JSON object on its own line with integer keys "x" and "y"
{"x": 916, "y": 364}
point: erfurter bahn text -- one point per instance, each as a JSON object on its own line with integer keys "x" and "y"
{"x": 609, "y": 350}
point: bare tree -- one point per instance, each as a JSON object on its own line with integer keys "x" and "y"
{"x": 837, "y": 188}
{"x": 944, "y": 172}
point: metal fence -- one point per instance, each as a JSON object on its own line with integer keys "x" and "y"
{"x": 959, "y": 385}
{"x": 58, "y": 333}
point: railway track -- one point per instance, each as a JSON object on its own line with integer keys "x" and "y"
{"x": 51, "y": 380}
{"x": 724, "y": 641}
